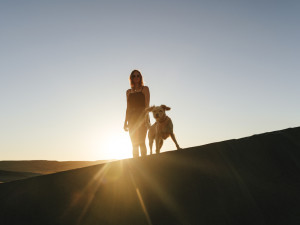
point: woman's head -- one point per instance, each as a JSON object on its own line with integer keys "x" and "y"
{"x": 136, "y": 78}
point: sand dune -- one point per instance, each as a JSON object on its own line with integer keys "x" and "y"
{"x": 45, "y": 166}
{"x": 253, "y": 180}
{"x": 6, "y": 176}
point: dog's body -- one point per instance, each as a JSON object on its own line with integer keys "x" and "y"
{"x": 161, "y": 129}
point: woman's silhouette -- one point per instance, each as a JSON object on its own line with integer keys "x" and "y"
{"x": 138, "y": 98}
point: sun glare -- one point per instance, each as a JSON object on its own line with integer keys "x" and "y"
{"x": 119, "y": 146}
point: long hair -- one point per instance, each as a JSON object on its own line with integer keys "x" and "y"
{"x": 141, "y": 83}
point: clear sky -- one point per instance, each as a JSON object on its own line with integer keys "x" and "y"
{"x": 227, "y": 68}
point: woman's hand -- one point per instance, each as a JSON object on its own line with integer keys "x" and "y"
{"x": 126, "y": 128}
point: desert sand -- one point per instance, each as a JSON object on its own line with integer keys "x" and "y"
{"x": 253, "y": 180}
{"x": 45, "y": 166}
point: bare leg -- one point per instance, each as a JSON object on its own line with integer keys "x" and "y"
{"x": 143, "y": 149}
{"x": 135, "y": 151}
{"x": 175, "y": 141}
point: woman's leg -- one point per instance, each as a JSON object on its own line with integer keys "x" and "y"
{"x": 134, "y": 141}
{"x": 135, "y": 151}
{"x": 143, "y": 149}
{"x": 142, "y": 138}
{"x": 138, "y": 134}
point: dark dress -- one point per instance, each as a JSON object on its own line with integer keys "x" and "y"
{"x": 136, "y": 117}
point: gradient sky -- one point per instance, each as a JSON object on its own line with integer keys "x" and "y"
{"x": 227, "y": 68}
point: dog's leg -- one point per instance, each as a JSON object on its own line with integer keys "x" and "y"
{"x": 159, "y": 143}
{"x": 157, "y": 149}
{"x": 150, "y": 144}
{"x": 151, "y": 136}
{"x": 175, "y": 141}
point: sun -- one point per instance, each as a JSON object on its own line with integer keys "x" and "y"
{"x": 119, "y": 146}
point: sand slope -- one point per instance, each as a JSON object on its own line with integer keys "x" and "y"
{"x": 45, "y": 166}
{"x": 253, "y": 180}
{"x": 6, "y": 176}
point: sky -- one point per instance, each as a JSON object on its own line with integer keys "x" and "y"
{"x": 228, "y": 69}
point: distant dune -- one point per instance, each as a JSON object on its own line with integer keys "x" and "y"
{"x": 6, "y": 176}
{"x": 249, "y": 181}
{"x": 45, "y": 166}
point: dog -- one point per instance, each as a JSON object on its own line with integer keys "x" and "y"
{"x": 161, "y": 129}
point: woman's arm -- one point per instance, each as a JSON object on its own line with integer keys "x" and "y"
{"x": 147, "y": 103}
{"x": 126, "y": 115}
{"x": 147, "y": 96}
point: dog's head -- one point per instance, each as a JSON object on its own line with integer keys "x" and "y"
{"x": 159, "y": 112}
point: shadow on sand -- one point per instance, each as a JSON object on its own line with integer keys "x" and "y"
{"x": 253, "y": 180}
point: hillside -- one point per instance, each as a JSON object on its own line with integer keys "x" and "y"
{"x": 248, "y": 181}
{"x": 6, "y": 176}
{"x": 45, "y": 166}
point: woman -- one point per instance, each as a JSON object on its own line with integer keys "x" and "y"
{"x": 138, "y": 98}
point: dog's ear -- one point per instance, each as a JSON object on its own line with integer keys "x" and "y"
{"x": 166, "y": 108}
{"x": 149, "y": 109}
